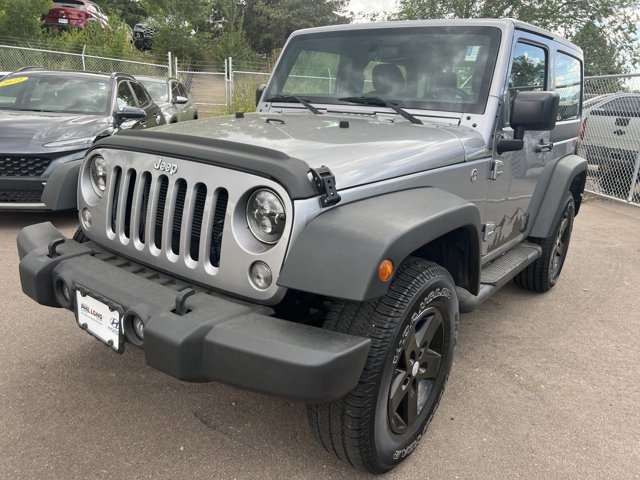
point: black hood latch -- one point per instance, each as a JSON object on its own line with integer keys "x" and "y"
{"x": 325, "y": 184}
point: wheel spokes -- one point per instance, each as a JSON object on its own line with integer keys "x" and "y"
{"x": 399, "y": 388}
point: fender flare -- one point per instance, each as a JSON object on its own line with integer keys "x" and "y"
{"x": 562, "y": 177}
{"x": 61, "y": 190}
{"x": 338, "y": 252}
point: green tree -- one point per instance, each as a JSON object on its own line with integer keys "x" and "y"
{"x": 615, "y": 19}
{"x": 182, "y": 27}
{"x": 268, "y": 23}
{"x": 600, "y": 55}
{"x": 22, "y": 18}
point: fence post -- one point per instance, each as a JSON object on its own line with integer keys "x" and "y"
{"x": 231, "y": 102}
{"x": 634, "y": 179}
{"x": 84, "y": 65}
{"x": 175, "y": 69}
{"x": 170, "y": 64}
{"x": 226, "y": 83}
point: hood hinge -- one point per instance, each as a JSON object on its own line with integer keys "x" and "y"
{"x": 325, "y": 184}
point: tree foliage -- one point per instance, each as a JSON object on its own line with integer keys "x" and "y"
{"x": 268, "y": 23}
{"x": 22, "y": 18}
{"x": 613, "y": 21}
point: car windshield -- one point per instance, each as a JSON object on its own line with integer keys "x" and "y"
{"x": 158, "y": 90}
{"x": 54, "y": 93}
{"x": 435, "y": 68}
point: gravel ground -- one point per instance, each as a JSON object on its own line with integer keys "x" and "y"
{"x": 543, "y": 386}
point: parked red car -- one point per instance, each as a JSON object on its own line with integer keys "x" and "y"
{"x": 74, "y": 13}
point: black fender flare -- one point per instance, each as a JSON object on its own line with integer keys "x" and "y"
{"x": 61, "y": 190}
{"x": 339, "y": 251}
{"x": 565, "y": 171}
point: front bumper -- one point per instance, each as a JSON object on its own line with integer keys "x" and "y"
{"x": 216, "y": 340}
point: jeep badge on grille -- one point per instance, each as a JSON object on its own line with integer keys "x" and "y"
{"x": 163, "y": 166}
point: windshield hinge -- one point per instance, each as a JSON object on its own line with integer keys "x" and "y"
{"x": 325, "y": 184}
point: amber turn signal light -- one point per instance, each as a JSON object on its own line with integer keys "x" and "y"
{"x": 385, "y": 270}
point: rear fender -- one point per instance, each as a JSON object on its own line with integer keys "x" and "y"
{"x": 569, "y": 174}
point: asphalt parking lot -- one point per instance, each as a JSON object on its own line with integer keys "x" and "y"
{"x": 543, "y": 386}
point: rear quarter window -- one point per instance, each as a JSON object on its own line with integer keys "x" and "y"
{"x": 568, "y": 83}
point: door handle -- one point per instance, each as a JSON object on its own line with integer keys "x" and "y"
{"x": 544, "y": 147}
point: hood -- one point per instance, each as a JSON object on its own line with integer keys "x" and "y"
{"x": 369, "y": 149}
{"x": 26, "y": 132}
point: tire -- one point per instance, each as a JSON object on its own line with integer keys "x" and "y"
{"x": 364, "y": 428}
{"x": 543, "y": 274}
{"x": 79, "y": 236}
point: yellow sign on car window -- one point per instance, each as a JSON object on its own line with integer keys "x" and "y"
{"x": 13, "y": 81}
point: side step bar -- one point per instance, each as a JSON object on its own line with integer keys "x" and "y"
{"x": 498, "y": 273}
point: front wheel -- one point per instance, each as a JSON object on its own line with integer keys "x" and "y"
{"x": 413, "y": 332}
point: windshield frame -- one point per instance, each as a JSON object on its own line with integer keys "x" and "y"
{"x": 297, "y": 42}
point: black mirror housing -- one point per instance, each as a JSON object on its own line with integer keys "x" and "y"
{"x": 130, "y": 113}
{"x": 259, "y": 92}
{"x": 534, "y": 111}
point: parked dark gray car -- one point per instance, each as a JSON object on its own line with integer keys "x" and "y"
{"x": 48, "y": 120}
{"x": 172, "y": 97}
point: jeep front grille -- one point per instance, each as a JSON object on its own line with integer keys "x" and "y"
{"x": 190, "y": 223}
{"x": 171, "y": 214}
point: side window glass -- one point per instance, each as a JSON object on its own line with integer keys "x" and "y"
{"x": 125, "y": 96}
{"x": 183, "y": 90}
{"x": 568, "y": 81}
{"x": 528, "y": 72}
{"x": 625, "y": 106}
{"x": 141, "y": 93}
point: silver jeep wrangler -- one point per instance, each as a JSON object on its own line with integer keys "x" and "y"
{"x": 321, "y": 249}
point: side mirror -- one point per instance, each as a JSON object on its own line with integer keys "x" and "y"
{"x": 130, "y": 113}
{"x": 180, "y": 100}
{"x": 259, "y": 92}
{"x": 530, "y": 111}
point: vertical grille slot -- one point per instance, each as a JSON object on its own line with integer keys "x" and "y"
{"x": 117, "y": 174}
{"x": 162, "y": 200}
{"x": 144, "y": 206}
{"x": 129, "y": 204}
{"x": 177, "y": 216}
{"x": 222, "y": 199}
{"x": 196, "y": 224}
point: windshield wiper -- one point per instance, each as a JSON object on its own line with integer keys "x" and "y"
{"x": 294, "y": 98}
{"x": 380, "y": 102}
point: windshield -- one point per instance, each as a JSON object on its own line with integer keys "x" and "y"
{"x": 434, "y": 68}
{"x": 158, "y": 90}
{"x": 54, "y": 93}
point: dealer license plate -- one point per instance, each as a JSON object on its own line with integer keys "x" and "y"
{"x": 63, "y": 20}
{"x": 100, "y": 320}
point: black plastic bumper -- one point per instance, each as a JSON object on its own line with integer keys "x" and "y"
{"x": 217, "y": 340}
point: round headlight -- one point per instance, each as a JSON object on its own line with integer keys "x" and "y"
{"x": 265, "y": 216}
{"x": 98, "y": 171}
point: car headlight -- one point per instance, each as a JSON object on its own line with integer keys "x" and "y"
{"x": 266, "y": 216}
{"x": 98, "y": 174}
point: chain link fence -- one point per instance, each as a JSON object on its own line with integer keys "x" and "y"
{"x": 610, "y": 136}
{"x": 14, "y": 57}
